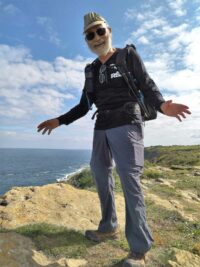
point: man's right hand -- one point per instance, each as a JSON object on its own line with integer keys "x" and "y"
{"x": 48, "y": 125}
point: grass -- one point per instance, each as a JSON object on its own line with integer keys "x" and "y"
{"x": 56, "y": 241}
{"x": 164, "y": 191}
{"x": 152, "y": 173}
{"x": 188, "y": 182}
{"x": 174, "y": 155}
{"x": 84, "y": 180}
{"x": 171, "y": 229}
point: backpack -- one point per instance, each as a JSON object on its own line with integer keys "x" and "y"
{"x": 148, "y": 110}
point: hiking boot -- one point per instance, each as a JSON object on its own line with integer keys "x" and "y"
{"x": 98, "y": 236}
{"x": 134, "y": 260}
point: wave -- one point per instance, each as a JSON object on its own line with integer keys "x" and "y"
{"x": 69, "y": 175}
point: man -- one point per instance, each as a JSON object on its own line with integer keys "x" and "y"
{"x": 118, "y": 135}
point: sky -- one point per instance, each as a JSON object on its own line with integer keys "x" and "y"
{"x": 43, "y": 54}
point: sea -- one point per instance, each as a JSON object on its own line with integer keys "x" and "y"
{"x": 32, "y": 167}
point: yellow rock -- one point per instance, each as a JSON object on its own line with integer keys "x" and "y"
{"x": 75, "y": 263}
{"x": 19, "y": 251}
{"x": 59, "y": 204}
{"x": 182, "y": 258}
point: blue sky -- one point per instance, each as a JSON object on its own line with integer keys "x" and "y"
{"x": 43, "y": 54}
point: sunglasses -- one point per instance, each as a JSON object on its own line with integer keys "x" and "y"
{"x": 102, "y": 74}
{"x": 90, "y": 35}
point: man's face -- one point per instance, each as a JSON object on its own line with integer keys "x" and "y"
{"x": 101, "y": 42}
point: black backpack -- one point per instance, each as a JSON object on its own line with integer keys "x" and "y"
{"x": 148, "y": 110}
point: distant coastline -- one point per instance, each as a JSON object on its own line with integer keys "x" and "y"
{"x": 35, "y": 167}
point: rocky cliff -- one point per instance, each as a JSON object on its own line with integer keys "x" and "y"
{"x": 66, "y": 207}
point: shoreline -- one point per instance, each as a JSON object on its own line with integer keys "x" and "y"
{"x": 69, "y": 175}
{"x": 64, "y": 179}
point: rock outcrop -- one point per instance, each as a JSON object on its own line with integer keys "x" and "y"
{"x": 182, "y": 258}
{"x": 62, "y": 205}
{"x": 59, "y": 204}
{"x": 19, "y": 251}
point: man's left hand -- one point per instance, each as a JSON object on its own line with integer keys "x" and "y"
{"x": 175, "y": 110}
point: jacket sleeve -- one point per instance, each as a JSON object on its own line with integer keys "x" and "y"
{"x": 76, "y": 112}
{"x": 144, "y": 81}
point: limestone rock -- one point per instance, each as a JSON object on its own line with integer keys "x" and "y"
{"x": 180, "y": 258}
{"x": 75, "y": 263}
{"x": 19, "y": 251}
{"x": 59, "y": 204}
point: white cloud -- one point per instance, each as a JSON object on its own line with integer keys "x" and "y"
{"x": 169, "y": 30}
{"x": 169, "y": 131}
{"x": 163, "y": 66}
{"x": 147, "y": 26}
{"x": 50, "y": 33}
{"x": 143, "y": 40}
{"x": 8, "y": 133}
{"x": 192, "y": 53}
{"x": 177, "y": 7}
{"x": 171, "y": 80}
{"x": 148, "y": 21}
{"x": 60, "y": 138}
{"x": 13, "y": 54}
{"x": 173, "y": 49}
{"x": 31, "y": 87}
{"x": 133, "y": 14}
{"x": 154, "y": 23}
{"x": 9, "y": 9}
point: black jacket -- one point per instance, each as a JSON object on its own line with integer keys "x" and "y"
{"x": 114, "y": 93}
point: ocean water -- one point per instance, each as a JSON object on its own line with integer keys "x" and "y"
{"x": 30, "y": 167}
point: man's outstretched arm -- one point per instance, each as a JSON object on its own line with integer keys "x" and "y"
{"x": 74, "y": 114}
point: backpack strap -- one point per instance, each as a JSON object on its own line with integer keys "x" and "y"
{"x": 121, "y": 63}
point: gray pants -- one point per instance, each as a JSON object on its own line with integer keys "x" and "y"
{"x": 125, "y": 145}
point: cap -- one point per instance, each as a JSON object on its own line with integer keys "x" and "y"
{"x": 91, "y": 19}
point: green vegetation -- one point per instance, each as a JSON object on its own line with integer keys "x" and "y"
{"x": 189, "y": 182}
{"x": 56, "y": 241}
{"x": 151, "y": 173}
{"x": 174, "y": 155}
{"x": 164, "y": 191}
{"x": 182, "y": 160}
{"x": 82, "y": 180}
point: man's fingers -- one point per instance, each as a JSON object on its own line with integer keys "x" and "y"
{"x": 178, "y": 117}
{"x": 45, "y": 126}
{"x": 40, "y": 128}
{"x": 49, "y": 131}
{"x": 183, "y": 115}
{"x": 42, "y": 124}
{"x": 45, "y": 130}
{"x": 184, "y": 106}
{"x": 187, "y": 111}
